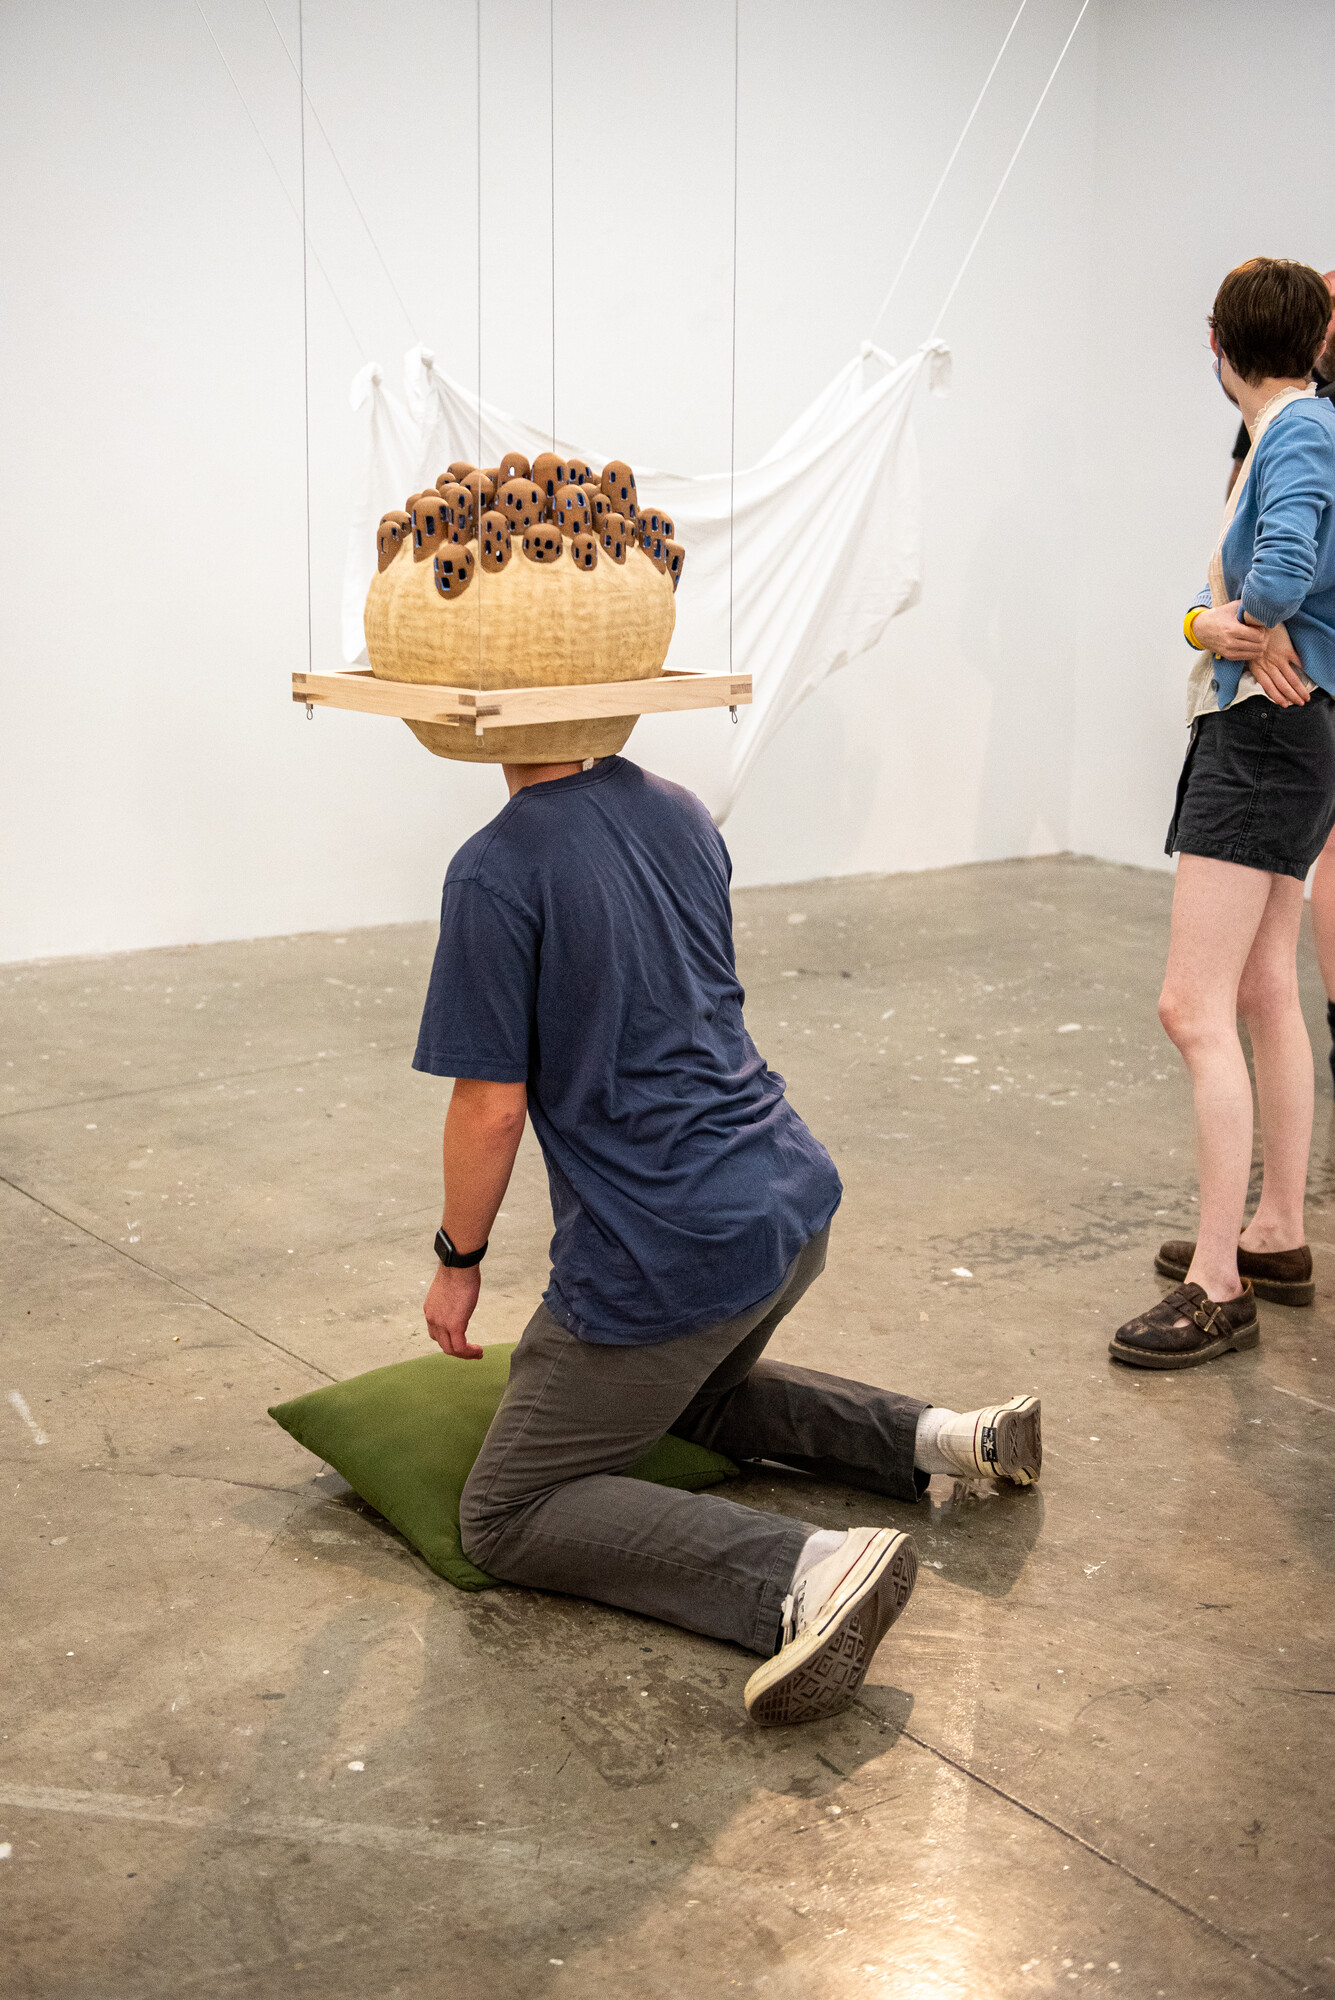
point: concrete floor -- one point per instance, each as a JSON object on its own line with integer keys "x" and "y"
{"x": 220, "y": 1180}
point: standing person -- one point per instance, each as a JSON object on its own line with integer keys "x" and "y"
{"x": 1323, "y": 876}
{"x": 1255, "y": 805}
{"x": 585, "y": 978}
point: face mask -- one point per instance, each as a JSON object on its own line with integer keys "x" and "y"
{"x": 1220, "y": 380}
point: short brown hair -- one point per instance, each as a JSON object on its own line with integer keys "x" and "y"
{"x": 1270, "y": 318}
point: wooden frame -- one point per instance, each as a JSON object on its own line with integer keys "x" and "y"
{"x": 501, "y": 708}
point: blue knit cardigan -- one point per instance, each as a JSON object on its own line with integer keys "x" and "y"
{"x": 1279, "y": 552}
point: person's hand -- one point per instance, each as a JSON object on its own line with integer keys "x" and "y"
{"x": 1220, "y": 631}
{"x": 449, "y": 1307}
{"x": 1279, "y": 671}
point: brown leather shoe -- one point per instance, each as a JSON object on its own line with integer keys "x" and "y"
{"x": 1186, "y": 1328}
{"x": 1284, "y": 1277}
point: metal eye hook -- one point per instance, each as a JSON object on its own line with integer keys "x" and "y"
{"x": 733, "y": 713}
{"x": 310, "y": 712}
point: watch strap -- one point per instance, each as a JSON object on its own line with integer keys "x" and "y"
{"x": 457, "y": 1260}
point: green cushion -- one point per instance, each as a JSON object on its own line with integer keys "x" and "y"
{"x": 405, "y": 1438}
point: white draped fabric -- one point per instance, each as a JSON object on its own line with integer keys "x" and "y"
{"x": 825, "y": 540}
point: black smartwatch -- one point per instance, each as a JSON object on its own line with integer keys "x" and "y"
{"x": 457, "y": 1260}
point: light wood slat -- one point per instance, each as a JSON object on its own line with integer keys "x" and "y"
{"x": 498, "y": 708}
{"x": 363, "y": 692}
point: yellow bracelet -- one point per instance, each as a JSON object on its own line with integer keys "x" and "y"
{"x": 1189, "y": 627}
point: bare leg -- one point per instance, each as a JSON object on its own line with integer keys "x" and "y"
{"x": 1217, "y": 911}
{"x": 1323, "y": 915}
{"x": 1282, "y": 1055}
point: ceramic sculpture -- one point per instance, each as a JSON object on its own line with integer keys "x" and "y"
{"x": 523, "y": 576}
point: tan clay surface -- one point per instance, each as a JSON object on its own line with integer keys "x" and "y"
{"x": 531, "y": 625}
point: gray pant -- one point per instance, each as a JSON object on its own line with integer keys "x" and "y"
{"x": 543, "y": 1505}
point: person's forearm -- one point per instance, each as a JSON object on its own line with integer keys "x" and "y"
{"x": 1271, "y": 599}
{"x": 483, "y": 1127}
{"x": 1216, "y": 630}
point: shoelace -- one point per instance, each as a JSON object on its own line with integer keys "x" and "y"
{"x": 790, "y": 1615}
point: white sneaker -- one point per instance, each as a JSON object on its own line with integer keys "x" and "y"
{"x": 832, "y": 1624}
{"x": 1001, "y": 1441}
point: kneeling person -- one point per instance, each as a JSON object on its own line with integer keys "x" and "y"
{"x": 585, "y": 977}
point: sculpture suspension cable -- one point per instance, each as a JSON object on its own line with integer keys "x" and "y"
{"x": 478, "y": 48}
{"x": 732, "y": 421}
{"x": 305, "y": 337}
{"x": 551, "y": 99}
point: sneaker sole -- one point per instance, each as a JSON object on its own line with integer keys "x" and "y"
{"x": 1016, "y": 1443}
{"x": 821, "y": 1672}
{"x": 1135, "y": 1357}
{"x": 1274, "y": 1290}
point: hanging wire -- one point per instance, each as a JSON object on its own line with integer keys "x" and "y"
{"x": 945, "y": 172}
{"x": 305, "y": 340}
{"x": 477, "y": 505}
{"x": 968, "y": 255}
{"x": 732, "y": 422}
{"x": 551, "y": 89}
{"x": 478, "y": 121}
{"x": 370, "y": 234}
{"x": 356, "y": 337}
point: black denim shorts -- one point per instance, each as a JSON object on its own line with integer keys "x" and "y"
{"x": 1258, "y": 786}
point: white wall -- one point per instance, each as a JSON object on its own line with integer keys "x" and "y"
{"x": 1213, "y": 145}
{"x": 158, "y": 785}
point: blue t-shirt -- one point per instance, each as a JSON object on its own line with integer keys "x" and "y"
{"x": 586, "y": 951}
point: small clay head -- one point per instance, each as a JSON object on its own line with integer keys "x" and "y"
{"x": 549, "y": 474}
{"x": 494, "y": 541}
{"x": 655, "y": 522}
{"x": 454, "y": 569}
{"x": 655, "y": 547}
{"x": 542, "y": 543}
{"x": 458, "y": 504}
{"x": 600, "y": 506}
{"x": 393, "y": 531}
{"x": 579, "y": 472}
{"x": 571, "y": 511}
{"x": 493, "y": 473}
{"x": 584, "y": 550}
{"x": 482, "y": 490}
{"x": 430, "y": 526}
{"x": 460, "y": 470}
{"x": 616, "y": 537}
{"x": 618, "y": 483}
{"x": 522, "y": 501}
{"x": 513, "y": 465}
{"x": 676, "y": 557}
